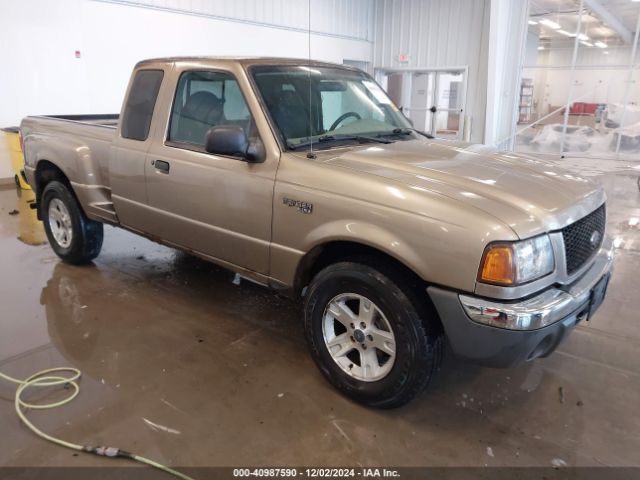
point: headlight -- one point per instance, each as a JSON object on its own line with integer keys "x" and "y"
{"x": 517, "y": 262}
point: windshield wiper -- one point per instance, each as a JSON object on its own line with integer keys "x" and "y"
{"x": 338, "y": 138}
{"x": 406, "y": 131}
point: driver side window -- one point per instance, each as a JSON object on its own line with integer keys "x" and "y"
{"x": 206, "y": 99}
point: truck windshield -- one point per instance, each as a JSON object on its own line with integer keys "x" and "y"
{"x": 328, "y": 105}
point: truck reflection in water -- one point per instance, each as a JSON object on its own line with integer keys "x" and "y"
{"x": 73, "y": 327}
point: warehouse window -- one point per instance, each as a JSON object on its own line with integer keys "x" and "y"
{"x": 204, "y": 100}
{"x": 138, "y": 113}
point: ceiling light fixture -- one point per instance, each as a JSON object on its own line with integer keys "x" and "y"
{"x": 551, "y": 23}
{"x": 541, "y": 47}
{"x": 600, "y": 44}
{"x": 586, "y": 44}
{"x": 533, "y": 22}
{"x": 582, "y": 36}
{"x": 564, "y": 32}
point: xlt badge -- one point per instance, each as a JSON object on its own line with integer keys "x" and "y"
{"x": 304, "y": 207}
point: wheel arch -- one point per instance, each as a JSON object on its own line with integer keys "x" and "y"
{"x": 45, "y": 172}
{"x": 343, "y": 238}
{"x": 333, "y": 251}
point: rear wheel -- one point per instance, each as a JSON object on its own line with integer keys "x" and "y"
{"x": 74, "y": 237}
{"x": 368, "y": 337}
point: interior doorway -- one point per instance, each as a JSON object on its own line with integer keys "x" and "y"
{"x": 434, "y": 100}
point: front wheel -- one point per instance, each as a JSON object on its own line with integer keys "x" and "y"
{"x": 370, "y": 339}
{"x": 74, "y": 238}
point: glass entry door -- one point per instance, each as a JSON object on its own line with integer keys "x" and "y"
{"x": 421, "y": 100}
{"x": 434, "y": 100}
{"x": 446, "y": 109}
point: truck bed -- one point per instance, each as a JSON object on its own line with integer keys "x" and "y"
{"x": 82, "y": 144}
{"x": 109, "y": 120}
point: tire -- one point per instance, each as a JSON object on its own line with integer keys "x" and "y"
{"x": 72, "y": 236}
{"x": 417, "y": 338}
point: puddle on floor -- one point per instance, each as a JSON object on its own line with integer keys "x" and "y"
{"x": 31, "y": 231}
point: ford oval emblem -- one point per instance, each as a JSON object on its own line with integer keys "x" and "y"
{"x": 594, "y": 240}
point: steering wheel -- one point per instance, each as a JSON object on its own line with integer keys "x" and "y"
{"x": 342, "y": 118}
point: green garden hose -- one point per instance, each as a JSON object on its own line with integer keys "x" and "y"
{"x": 53, "y": 377}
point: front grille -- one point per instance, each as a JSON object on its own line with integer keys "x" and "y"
{"x": 581, "y": 240}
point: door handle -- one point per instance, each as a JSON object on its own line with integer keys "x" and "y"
{"x": 433, "y": 109}
{"x": 161, "y": 165}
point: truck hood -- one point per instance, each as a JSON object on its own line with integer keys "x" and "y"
{"x": 528, "y": 194}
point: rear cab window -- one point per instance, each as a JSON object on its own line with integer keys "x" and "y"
{"x": 138, "y": 113}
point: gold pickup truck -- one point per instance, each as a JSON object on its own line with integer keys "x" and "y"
{"x": 305, "y": 177}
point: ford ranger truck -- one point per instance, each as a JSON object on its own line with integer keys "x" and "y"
{"x": 306, "y": 178}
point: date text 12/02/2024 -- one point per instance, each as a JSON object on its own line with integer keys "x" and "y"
{"x": 316, "y": 473}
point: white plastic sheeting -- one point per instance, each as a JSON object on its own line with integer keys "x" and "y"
{"x": 583, "y": 139}
{"x": 577, "y": 139}
{"x": 615, "y": 113}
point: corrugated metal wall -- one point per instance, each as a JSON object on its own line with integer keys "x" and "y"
{"x": 343, "y": 18}
{"x": 436, "y": 34}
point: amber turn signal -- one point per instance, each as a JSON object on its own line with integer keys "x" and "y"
{"x": 498, "y": 265}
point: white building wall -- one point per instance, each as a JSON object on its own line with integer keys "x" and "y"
{"x": 599, "y": 77}
{"x": 551, "y": 87}
{"x": 347, "y": 18}
{"x": 40, "y": 74}
{"x": 437, "y": 34}
{"x": 587, "y": 57}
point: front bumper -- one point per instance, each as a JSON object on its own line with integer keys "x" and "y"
{"x": 502, "y": 334}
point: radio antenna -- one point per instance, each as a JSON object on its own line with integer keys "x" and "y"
{"x": 310, "y": 154}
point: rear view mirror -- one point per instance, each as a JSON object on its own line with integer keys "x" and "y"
{"x": 232, "y": 140}
{"x": 332, "y": 86}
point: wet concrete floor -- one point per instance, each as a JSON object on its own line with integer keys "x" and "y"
{"x": 182, "y": 366}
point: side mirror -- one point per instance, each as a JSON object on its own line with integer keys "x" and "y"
{"x": 231, "y": 140}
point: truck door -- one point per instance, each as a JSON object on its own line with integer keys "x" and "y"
{"x": 129, "y": 149}
{"x": 217, "y": 205}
